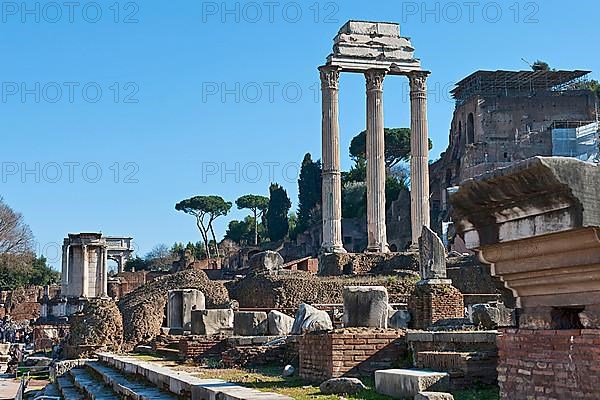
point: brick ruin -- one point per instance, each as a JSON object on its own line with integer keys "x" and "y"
{"x": 538, "y": 224}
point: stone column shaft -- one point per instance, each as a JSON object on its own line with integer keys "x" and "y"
{"x": 104, "y": 289}
{"x": 85, "y": 284}
{"x": 376, "y": 230}
{"x": 64, "y": 278}
{"x": 419, "y": 161}
{"x": 332, "y": 182}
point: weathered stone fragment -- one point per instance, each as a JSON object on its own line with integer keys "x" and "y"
{"x": 266, "y": 261}
{"x": 342, "y": 386}
{"x": 398, "y": 319}
{"x": 491, "y": 316}
{"x": 212, "y": 322}
{"x": 406, "y": 383}
{"x": 279, "y": 323}
{"x": 180, "y": 304}
{"x": 365, "y": 306}
{"x": 250, "y": 323}
{"x": 310, "y": 319}
{"x": 433, "y": 257}
{"x": 433, "y": 396}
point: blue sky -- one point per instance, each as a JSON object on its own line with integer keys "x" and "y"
{"x": 112, "y": 112}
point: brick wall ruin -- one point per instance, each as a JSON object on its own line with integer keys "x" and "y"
{"x": 350, "y": 352}
{"x": 431, "y": 303}
{"x": 549, "y": 364}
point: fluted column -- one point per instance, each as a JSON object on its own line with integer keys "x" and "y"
{"x": 332, "y": 182}
{"x": 419, "y": 161}
{"x": 376, "y": 231}
{"x": 104, "y": 288}
{"x": 64, "y": 277}
{"x": 85, "y": 283}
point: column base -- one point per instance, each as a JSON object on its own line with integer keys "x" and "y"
{"x": 378, "y": 249}
{"x": 328, "y": 249}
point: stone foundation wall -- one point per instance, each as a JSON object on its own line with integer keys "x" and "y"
{"x": 336, "y": 264}
{"x": 549, "y": 364}
{"x": 194, "y": 347}
{"x": 350, "y": 352}
{"x": 431, "y": 303}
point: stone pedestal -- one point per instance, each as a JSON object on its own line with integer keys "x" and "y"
{"x": 180, "y": 304}
{"x": 365, "y": 306}
{"x": 376, "y": 232}
{"x": 431, "y": 302}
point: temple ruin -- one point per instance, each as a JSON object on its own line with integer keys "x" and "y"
{"x": 374, "y": 49}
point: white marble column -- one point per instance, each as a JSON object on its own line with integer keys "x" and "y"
{"x": 85, "y": 283}
{"x": 64, "y": 277}
{"x": 104, "y": 289}
{"x": 376, "y": 231}
{"x": 419, "y": 160}
{"x": 332, "y": 181}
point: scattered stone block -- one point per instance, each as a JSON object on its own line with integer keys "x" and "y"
{"x": 250, "y": 323}
{"x": 406, "y": 383}
{"x": 309, "y": 319}
{"x": 433, "y": 396}
{"x": 398, "y": 319}
{"x": 490, "y": 316}
{"x": 342, "y": 386}
{"x": 268, "y": 261}
{"x": 365, "y": 306}
{"x": 279, "y": 323}
{"x": 180, "y": 304}
{"x": 212, "y": 322}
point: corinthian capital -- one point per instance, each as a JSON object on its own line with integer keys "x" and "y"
{"x": 330, "y": 77}
{"x": 375, "y": 79}
{"x": 418, "y": 81}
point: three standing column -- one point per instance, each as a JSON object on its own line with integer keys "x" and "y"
{"x": 376, "y": 230}
{"x": 419, "y": 160}
{"x": 332, "y": 181}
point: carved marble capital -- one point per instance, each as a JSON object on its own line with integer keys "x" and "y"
{"x": 418, "y": 81}
{"x": 330, "y": 77}
{"x": 375, "y": 79}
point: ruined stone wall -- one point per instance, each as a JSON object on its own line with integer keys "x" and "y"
{"x": 362, "y": 263}
{"x": 24, "y": 304}
{"x": 289, "y": 291}
{"x": 143, "y": 309}
{"x": 196, "y": 347}
{"x": 351, "y": 352}
{"x": 549, "y": 364}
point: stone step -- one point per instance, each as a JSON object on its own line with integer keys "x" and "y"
{"x": 67, "y": 388}
{"x": 407, "y": 383}
{"x": 51, "y": 390}
{"x": 129, "y": 386}
{"x": 184, "y": 384}
{"x": 93, "y": 387}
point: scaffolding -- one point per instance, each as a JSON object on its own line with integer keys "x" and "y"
{"x": 576, "y": 140}
{"x": 510, "y": 83}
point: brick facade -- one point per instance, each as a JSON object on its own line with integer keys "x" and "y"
{"x": 549, "y": 364}
{"x": 350, "y": 352}
{"x": 431, "y": 303}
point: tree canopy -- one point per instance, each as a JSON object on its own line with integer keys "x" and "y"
{"x": 15, "y": 235}
{"x": 205, "y": 209}
{"x": 309, "y": 193}
{"x": 397, "y": 146}
{"x": 277, "y": 213}
{"x": 255, "y": 203}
